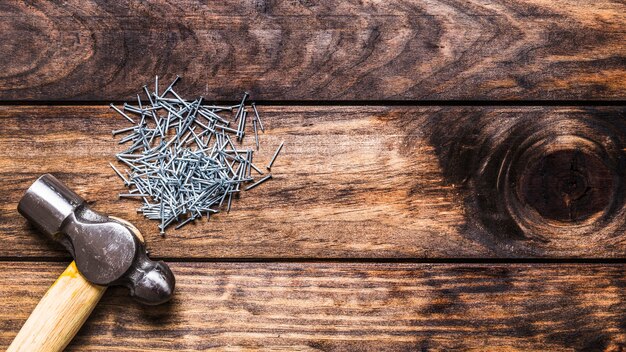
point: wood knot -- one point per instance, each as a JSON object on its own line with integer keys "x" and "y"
{"x": 566, "y": 180}
{"x": 562, "y": 179}
{"x": 545, "y": 180}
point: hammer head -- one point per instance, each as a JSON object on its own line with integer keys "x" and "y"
{"x": 107, "y": 251}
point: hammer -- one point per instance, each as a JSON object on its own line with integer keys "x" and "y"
{"x": 106, "y": 251}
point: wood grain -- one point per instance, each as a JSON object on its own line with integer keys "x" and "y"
{"x": 357, "y": 182}
{"x": 59, "y": 315}
{"x": 355, "y": 307}
{"x": 316, "y": 50}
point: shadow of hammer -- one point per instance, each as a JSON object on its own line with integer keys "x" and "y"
{"x": 106, "y": 250}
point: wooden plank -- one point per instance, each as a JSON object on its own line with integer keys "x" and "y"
{"x": 306, "y": 50}
{"x": 364, "y": 307}
{"x": 360, "y": 182}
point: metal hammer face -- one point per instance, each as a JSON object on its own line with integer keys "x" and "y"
{"x": 107, "y": 250}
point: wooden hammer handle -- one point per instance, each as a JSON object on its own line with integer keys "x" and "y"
{"x": 59, "y": 315}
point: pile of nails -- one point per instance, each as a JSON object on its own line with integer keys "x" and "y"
{"x": 182, "y": 162}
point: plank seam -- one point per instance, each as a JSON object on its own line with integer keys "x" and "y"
{"x": 355, "y": 260}
{"x": 486, "y": 103}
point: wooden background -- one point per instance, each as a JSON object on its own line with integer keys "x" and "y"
{"x": 453, "y": 174}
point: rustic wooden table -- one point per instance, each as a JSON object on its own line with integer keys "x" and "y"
{"x": 453, "y": 174}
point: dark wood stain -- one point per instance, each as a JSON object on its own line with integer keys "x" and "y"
{"x": 383, "y": 185}
{"x": 399, "y": 50}
{"x": 536, "y": 180}
{"x": 349, "y": 307}
{"x": 361, "y": 182}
